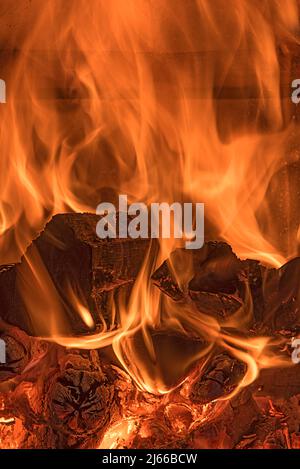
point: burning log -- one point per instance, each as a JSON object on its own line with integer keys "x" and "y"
{"x": 213, "y": 268}
{"x": 220, "y": 282}
{"x": 17, "y": 352}
{"x": 217, "y": 280}
{"x": 71, "y": 404}
{"x": 80, "y": 400}
{"x": 76, "y": 260}
{"x": 219, "y": 379}
{"x": 70, "y": 260}
{"x": 21, "y": 351}
{"x": 75, "y": 400}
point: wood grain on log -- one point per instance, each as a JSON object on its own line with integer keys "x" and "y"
{"x": 217, "y": 280}
{"x": 68, "y": 255}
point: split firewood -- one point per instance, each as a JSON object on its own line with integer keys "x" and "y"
{"x": 68, "y": 260}
{"x": 75, "y": 398}
{"x": 218, "y": 305}
{"x": 68, "y": 255}
{"x": 213, "y": 268}
{"x": 217, "y": 282}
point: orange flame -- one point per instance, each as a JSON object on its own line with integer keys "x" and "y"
{"x": 131, "y": 98}
{"x": 163, "y": 101}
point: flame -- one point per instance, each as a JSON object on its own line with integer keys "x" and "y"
{"x": 128, "y": 97}
{"x": 45, "y": 306}
{"x": 163, "y": 101}
{"x": 83, "y": 310}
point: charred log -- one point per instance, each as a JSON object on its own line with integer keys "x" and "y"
{"x": 218, "y": 283}
{"x": 80, "y": 401}
{"x": 68, "y": 256}
{"x": 71, "y": 405}
{"x": 221, "y": 377}
{"x": 21, "y": 352}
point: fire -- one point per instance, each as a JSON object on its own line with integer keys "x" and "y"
{"x": 135, "y": 112}
{"x": 118, "y": 433}
{"x": 140, "y": 98}
{"x": 117, "y": 104}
